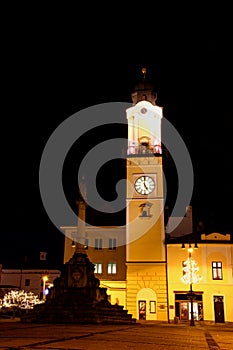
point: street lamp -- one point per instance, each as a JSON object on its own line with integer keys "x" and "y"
{"x": 190, "y": 276}
{"x": 45, "y": 279}
{"x": 192, "y": 323}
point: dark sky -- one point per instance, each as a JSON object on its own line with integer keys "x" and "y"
{"x": 53, "y": 66}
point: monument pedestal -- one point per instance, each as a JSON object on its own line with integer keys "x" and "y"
{"x": 77, "y": 298}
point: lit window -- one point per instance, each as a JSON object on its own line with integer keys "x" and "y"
{"x": 111, "y": 268}
{"x": 112, "y": 244}
{"x": 98, "y": 243}
{"x": 217, "y": 270}
{"x": 98, "y": 268}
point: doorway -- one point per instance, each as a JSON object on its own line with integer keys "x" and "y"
{"x": 185, "y": 311}
{"x": 183, "y": 306}
{"x": 146, "y": 304}
{"x": 218, "y": 309}
{"x": 142, "y": 309}
{"x": 184, "y": 314}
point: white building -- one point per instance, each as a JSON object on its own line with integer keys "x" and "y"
{"x": 29, "y": 280}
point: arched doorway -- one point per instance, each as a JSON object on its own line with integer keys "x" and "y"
{"x": 146, "y": 304}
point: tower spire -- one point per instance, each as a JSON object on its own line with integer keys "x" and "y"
{"x": 144, "y": 90}
{"x": 144, "y": 73}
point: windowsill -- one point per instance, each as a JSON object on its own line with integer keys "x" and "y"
{"x": 145, "y": 217}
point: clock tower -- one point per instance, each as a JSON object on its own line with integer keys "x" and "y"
{"x": 146, "y": 296}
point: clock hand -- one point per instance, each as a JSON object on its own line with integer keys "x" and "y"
{"x": 144, "y": 182}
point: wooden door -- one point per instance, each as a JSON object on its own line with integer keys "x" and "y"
{"x": 218, "y": 309}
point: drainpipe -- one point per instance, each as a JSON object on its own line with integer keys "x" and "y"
{"x": 168, "y": 315}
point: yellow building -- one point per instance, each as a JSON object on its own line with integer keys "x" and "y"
{"x": 141, "y": 266}
{"x": 213, "y": 297}
{"x": 106, "y": 248}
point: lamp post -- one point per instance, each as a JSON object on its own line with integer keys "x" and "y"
{"x": 45, "y": 279}
{"x": 190, "y": 276}
{"x": 192, "y": 323}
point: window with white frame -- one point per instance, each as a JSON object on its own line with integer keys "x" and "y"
{"x": 217, "y": 270}
{"x": 98, "y": 243}
{"x": 98, "y": 268}
{"x": 112, "y": 243}
{"x": 111, "y": 268}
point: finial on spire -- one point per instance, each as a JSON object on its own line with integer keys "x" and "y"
{"x": 83, "y": 188}
{"x": 144, "y": 72}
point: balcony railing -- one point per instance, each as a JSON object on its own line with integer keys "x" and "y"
{"x": 142, "y": 150}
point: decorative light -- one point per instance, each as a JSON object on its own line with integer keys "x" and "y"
{"x": 45, "y": 279}
{"x": 191, "y": 277}
{"x": 19, "y": 299}
{"x": 190, "y": 272}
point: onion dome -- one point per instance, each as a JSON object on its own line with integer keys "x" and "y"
{"x": 144, "y": 90}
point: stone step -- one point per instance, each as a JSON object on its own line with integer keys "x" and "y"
{"x": 77, "y": 298}
{"x": 98, "y": 313}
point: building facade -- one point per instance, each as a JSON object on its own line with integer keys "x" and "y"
{"x": 29, "y": 280}
{"x": 143, "y": 273}
{"x": 213, "y": 298}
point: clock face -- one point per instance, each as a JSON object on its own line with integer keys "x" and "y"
{"x": 144, "y": 185}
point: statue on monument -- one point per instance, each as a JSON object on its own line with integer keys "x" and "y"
{"x": 78, "y": 275}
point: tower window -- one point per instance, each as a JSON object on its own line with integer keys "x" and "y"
{"x": 112, "y": 244}
{"x": 217, "y": 270}
{"x": 145, "y": 210}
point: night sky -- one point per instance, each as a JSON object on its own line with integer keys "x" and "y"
{"x": 53, "y": 68}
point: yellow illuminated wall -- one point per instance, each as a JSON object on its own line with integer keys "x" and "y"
{"x": 145, "y": 253}
{"x": 204, "y": 256}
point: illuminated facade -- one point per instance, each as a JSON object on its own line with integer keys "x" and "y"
{"x": 146, "y": 294}
{"x": 213, "y": 298}
{"x": 104, "y": 250}
{"x": 144, "y": 272}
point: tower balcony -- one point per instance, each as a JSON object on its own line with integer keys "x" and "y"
{"x": 144, "y": 151}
